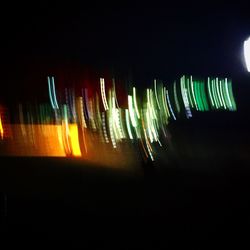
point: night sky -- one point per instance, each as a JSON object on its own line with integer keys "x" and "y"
{"x": 138, "y": 41}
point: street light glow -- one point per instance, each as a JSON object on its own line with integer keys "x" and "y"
{"x": 247, "y": 53}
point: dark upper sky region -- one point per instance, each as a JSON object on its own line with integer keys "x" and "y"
{"x": 145, "y": 41}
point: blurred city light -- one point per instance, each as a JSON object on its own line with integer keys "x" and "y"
{"x": 247, "y": 53}
{"x": 96, "y": 124}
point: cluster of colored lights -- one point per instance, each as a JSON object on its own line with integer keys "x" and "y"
{"x": 69, "y": 128}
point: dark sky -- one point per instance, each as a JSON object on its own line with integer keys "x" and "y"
{"x": 162, "y": 41}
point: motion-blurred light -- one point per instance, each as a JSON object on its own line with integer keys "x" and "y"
{"x": 247, "y": 53}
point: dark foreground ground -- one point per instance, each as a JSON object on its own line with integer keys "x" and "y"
{"x": 197, "y": 190}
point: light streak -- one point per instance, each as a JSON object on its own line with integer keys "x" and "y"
{"x": 216, "y": 99}
{"x": 222, "y": 95}
{"x": 247, "y": 53}
{"x": 74, "y": 139}
{"x": 210, "y": 92}
{"x": 170, "y": 107}
{"x": 131, "y": 111}
{"x": 128, "y": 125}
{"x": 50, "y": 94}
{"x": 193, "y": 93}
{"x": 218, "y": 92}
{"x": 135, "y": 103}
{"x": 54, "y": 93}
{"x": 185, "y": 98}
{"x": 103, "y": 94}
{"x": 156, "y": 94}
{"x": 227, "y": 95}
{"x": 83, "y": 124}
{"x": 1, "y": 127}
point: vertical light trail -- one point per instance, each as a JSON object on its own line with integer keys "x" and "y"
{"x": 148, "y": 146}
{"x": 153, "y": 116}
{"x": 135, "y": 103}
{"x": 204, "y": 96}
{"x": 150, "y": 134}
{"x": 120, "y": 118}
{"x": 66, "y": 130}
{"x": 116, "y": 120}
{"x": 111, "y": 132}
{"x": 152, "y": 106}
{"x": 222, "y": 95}
{"x": 166, "y": 111}
{"x": 98, "y": 113}
{"x": 210, "y": 92}
{"x": 230, "y": 88}
{"x": 111, "y": 124}
{"x": 128, "y": 124}
{"x": 81, "y": 119}
{"x": 170, "y": 107}
{"x": 1, "y": 127}
{"x": 196, "y": 95}
{"x": 189, "y": 91}
{"x": 193, "y": 94}
{"x": 92, "y": 114}
{"x": 85, "y": 105}
{"x": 227, "y": 94}
{"x": 73, "y": 105}
{"x": 218, "y": 91}
{"x": 104, "y": 128}
{"x": 223, "y": 86}
{"x": 50, "y": 93}
{"x": 103, "y": 94}
{"x": 81, "y": 114}
{"x": 54, "y": 93}
{"x": 185, "y": 98}
{"x": 131, "y": 111}
{"x": 156, "y": 94}
{"x": 199, "y": 98}
{"x": 217, "y": 104}
{"x": 74, "y": 139}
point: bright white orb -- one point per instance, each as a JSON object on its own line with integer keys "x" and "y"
{"x": 247, "y": 53}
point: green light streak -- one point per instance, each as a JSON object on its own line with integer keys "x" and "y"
{"x": 227, "y": 94}
{"x": 218, "y": 92}
{"x": 222, "y": 95}
{"x": 231, "y": 95}
{"x": 204, "y": 97}
{"x": 193, "y": 94}
{"x": 152, "y": 106}
{"x": 209, "y": 92}
{"x": 215, "y": 95}
{"x": 200, "y": 96}
{"x": 188, "y": 83}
